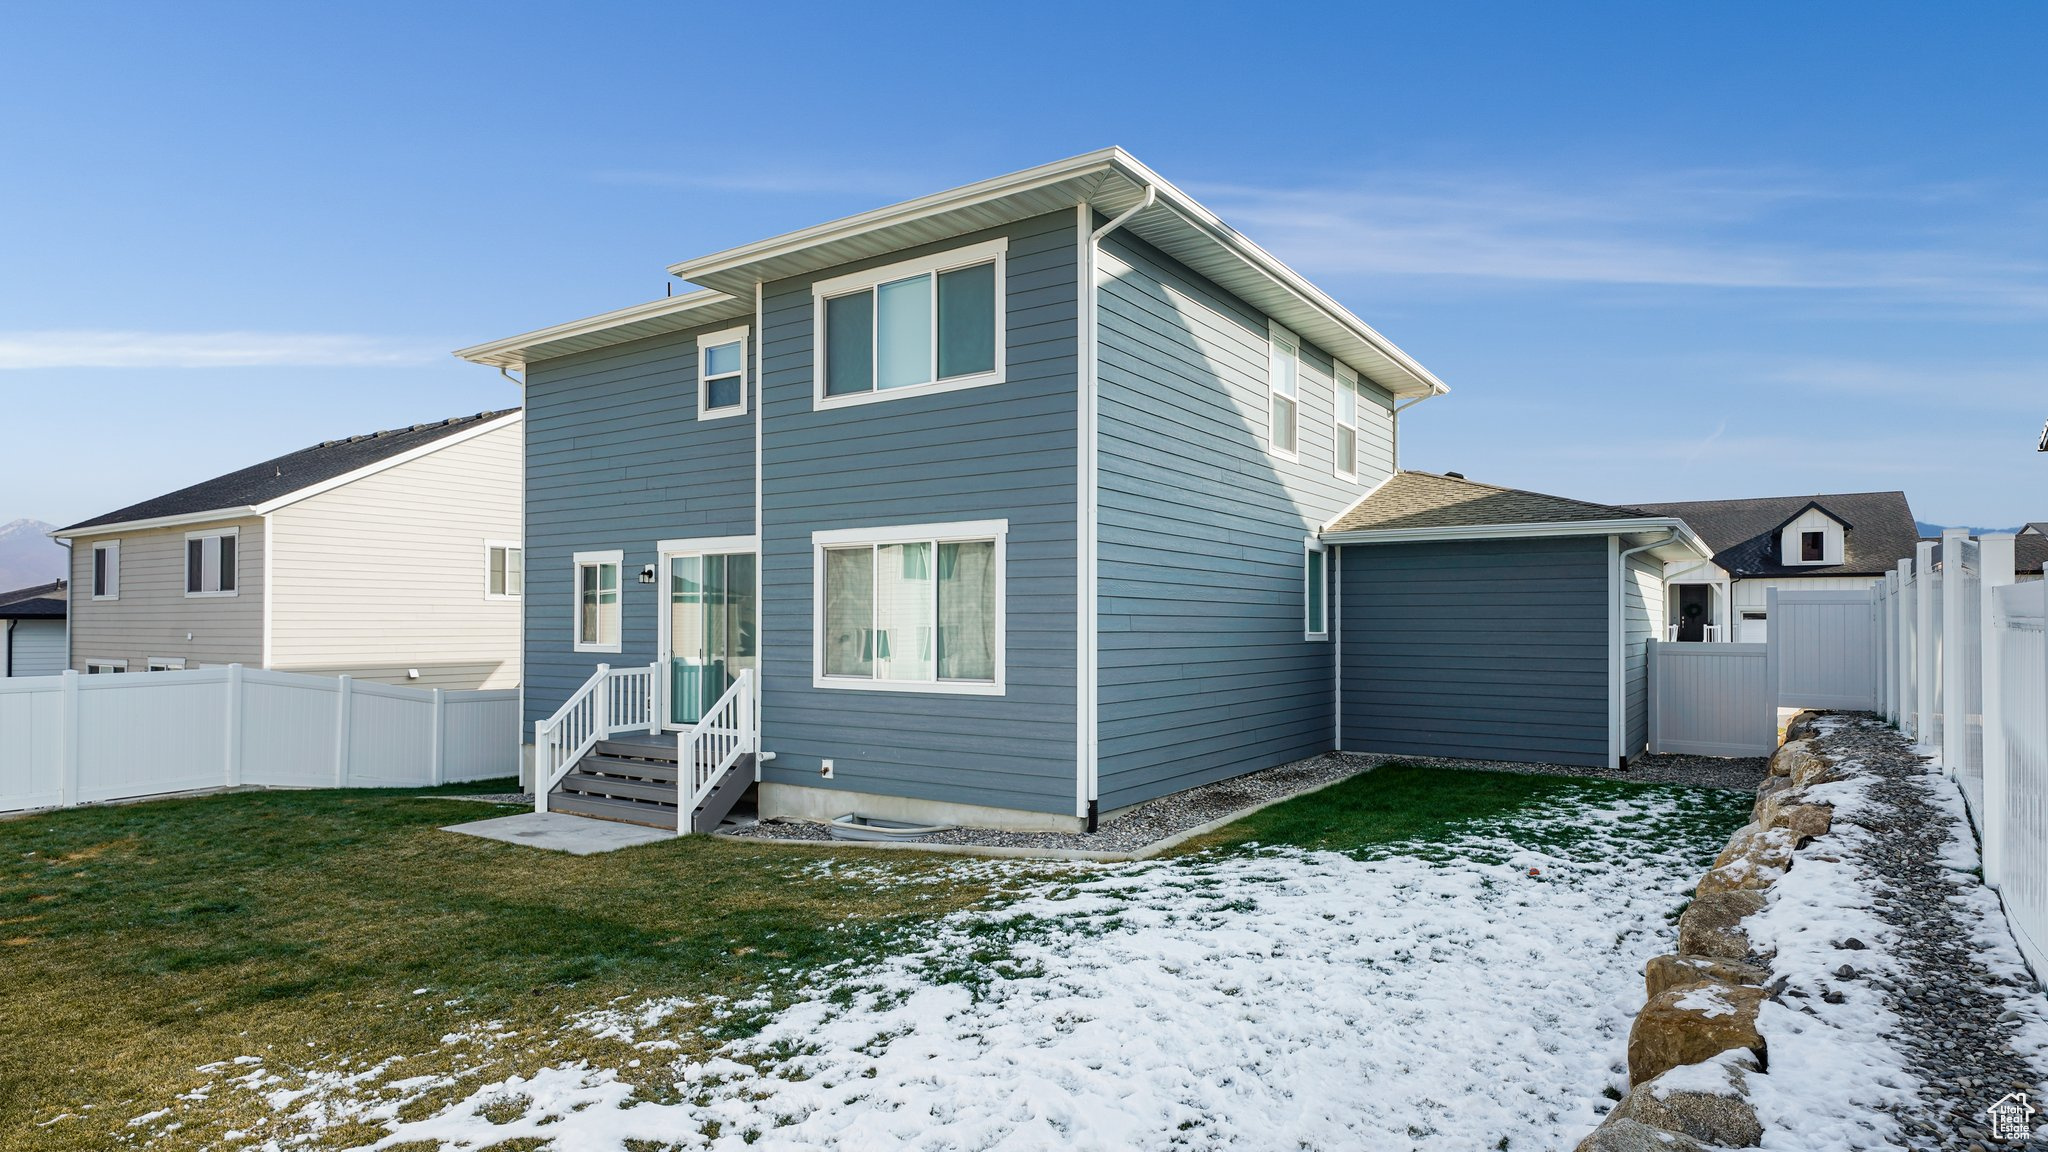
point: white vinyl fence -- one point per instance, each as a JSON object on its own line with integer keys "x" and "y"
{"x": 72, "y": 739}
{"x": 1712, "y": 699}
{"x": 1969, "y": 682}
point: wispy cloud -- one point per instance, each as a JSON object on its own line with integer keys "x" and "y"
{"x": 104, "y": 348}
{"x": 769, "y": 182}
{"x": 1714, "y": 229}
{"x": 1996, "y": 384}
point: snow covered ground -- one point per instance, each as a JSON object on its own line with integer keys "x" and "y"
{"x": 1435, "y": 996}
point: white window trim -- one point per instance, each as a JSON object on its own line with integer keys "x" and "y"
{"x": 510, "y": 545}
{"x": 1344, "y": 377}
{"x": 997, "y": 530}
{"x": 185, "y": 561}
{"x": 617, "y": 559}
{"x": 105, "y": 666}
{"x": 1311, "y": 545}
{"x": 824, "y": 290}
{"x": 165, "y": 664}
{"x": 113, "y": 548}
{"x": 1277, "y": 339}
{"x": 712, "y": 340}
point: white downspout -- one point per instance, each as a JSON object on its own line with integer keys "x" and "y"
{"x": 1394, "y": 433}
{"x": 1087, "y": 782}
{"x": 1617, "y": 650}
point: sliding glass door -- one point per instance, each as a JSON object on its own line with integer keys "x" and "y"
{"x": 710, "y": 631}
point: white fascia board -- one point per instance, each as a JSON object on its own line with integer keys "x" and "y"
{"x": 510, "y": 352}
{"x": 1686, "y": 538}
{"x": 388, "y": 463}
{"x": 90, "y": 531}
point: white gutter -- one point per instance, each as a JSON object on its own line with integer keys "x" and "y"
{"x": 1617, "y": 644}
{"x": 1088, "y": 535}
{"x": 1677, "y": 532}
{"x": 1394, "y": 418}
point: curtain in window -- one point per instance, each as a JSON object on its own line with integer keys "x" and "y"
{"x": 849, "y": 611}
{"x": 904, "y": 644}
{"x": 967, "y": 611}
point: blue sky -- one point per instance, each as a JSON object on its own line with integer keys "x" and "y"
{"x": 1658, "y": 251}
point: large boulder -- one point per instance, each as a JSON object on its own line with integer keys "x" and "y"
{"x": 1666, "y": 972}
{"x": 1772, "y": 786}
{"x": 1792, "y": 756}
{"x": 1712, "y": 924}
{"x": 1790, "y": 814}
{"x": 1703, "y": 1101}
{"x": 1755, "y": 858}
{"x": 1804, "y": 726}
{"x": 1621, "y": 1134}
{"x": 1692, "y": 1023}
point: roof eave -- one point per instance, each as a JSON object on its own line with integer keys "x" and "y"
{"x": 634, "y": 322}
{"x": 183, "y": 519}
{"x": 1681, "y": 535}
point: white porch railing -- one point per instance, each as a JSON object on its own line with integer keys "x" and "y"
{"x": 1709, "y": 633}
{"x": 613, "y": 700}
{"x": 713, "y": 745}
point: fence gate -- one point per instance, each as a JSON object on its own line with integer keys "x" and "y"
{"x": 1825, "y": 648}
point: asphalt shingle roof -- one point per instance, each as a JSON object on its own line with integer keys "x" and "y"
{"x": 1429, "y": 500}
{"x": 1743, "y": 533}
{"x": 284, "y": 475}
{"x": 2030, "y": 550}
{"x": 43, "y": 601}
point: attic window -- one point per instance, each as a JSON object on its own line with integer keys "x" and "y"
{"x": 1813, "y": 547}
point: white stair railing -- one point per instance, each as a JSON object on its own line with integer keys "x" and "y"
{"x": 613, "y": 700}
{"x": 712, "y": 746}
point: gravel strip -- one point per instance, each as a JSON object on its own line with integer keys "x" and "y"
{"x": 1955, "y": 1012}
{"x": 1155, "y": 820}
{"x": 522, "y": 798}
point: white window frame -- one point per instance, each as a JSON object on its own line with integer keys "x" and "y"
{"x": 112, "y": 548}
{"x": 105, "y": 667}
{"x": 933, "y": 534}
{"x": 617, "y": 559}
{"x": 509, "y": 546}
{"x": 165, "y": 664}
{"x": 185, "y": 563}
{"x": 1310, "y": 546}
{"x": 1282, "y": 343}
{"x": 823, "y": 290}
{"x": 705, "y": 343}
{"x": 1346, "y": 379}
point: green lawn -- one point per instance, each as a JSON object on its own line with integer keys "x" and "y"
{"x": 141, "y": 942}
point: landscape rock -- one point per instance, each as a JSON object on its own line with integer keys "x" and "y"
{"x": 1815, "y": 770}
{"x": 1799, "y": 760}
{"x": 1755, "y": 858}
{"x": 1804, "y": 726}
{"x": 1802, "y": 821}
{"x": 1666, "y": 972}
{"x": 1693, "y": 1023}
{"x": 1703, "y": 1101}
{"x": 1712, "y": 924}
{"x": 1772, "y": 786}
{"x": 1621, "y": 1134}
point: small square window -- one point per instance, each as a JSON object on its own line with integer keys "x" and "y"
{"x": 1813, "y": 547}
{"x": 210, "y": 568}
{"x": 504, "y": 571}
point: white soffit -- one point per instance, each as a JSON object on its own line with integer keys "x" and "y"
{"x": 660, "y": 317}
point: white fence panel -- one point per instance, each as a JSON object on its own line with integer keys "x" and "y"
{"x": 480, "y": 736}
{"x": 148, "y": 732}
{"x": 1826, "y": 650}
{"x": 390, "y": 737}
{"x": 288, "y": 729}
{"x": 31, "y": 743}
{"x": 2021, "y": 870}
{"x": 1970, "y": 772}
{"x": 1712, "y": 699}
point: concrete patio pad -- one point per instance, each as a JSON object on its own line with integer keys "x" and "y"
{"x": 560, "y": 832}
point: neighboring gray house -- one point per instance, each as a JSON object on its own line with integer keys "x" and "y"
{"x": 1841, "y": 541}
{"x": 391, "y": 556}
{"x": 1005, "y": 501}
{"x": 32, "y": 630}
{"x": 2030, "y": 550}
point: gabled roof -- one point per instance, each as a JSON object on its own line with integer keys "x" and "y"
{"x": 1110, "y": 181}
{"x": 295, "y": 475}
{"x": 41, "y": 602}
{"x": 1427, "y": 505}
{"x": 670, "y": 314}
{"x": 1878, "y": 531}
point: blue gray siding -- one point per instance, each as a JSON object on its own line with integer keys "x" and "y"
{"x": 616, "y": 458}
{"x": 1488, "y": 649}
{"x": 1205, "y": 672}
{"x": 1642, "y": 619}
{"x": 1004, "y": 451}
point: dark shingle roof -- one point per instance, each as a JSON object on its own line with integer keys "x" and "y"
{"x": 284, "y": 475}
{"x": 1743, "y": 533}
{"x": 1428, "y": 500}
{"x": 2030, "y": 551}
{"x": 42, "y": 602}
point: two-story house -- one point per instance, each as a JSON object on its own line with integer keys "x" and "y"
{"x": 1006, "y": 504}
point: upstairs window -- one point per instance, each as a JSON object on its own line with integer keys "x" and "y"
{"x": 928, "y": 325}
{"x": 504, "y": 571}
{"x": 1347, "y": 423}
{"x": 597, "y": 601}
{"x": 1284, "y": 382}
{"x": 106, "y": 570}
{"x": 210, "y": 563}
{"x": 722, "y": 374}
{"x": 1813, "y": 547}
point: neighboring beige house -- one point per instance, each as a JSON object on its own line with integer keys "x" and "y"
{"x": 394, "y": 556}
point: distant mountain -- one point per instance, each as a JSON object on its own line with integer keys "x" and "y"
{"x": 1929, "y": 531}
{"x": 28, "y": 556}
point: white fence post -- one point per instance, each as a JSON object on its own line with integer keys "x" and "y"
{"x": 1650, "y": 695}
{"x": 1902, "y": 704}
{"x": 343, "y": 700}
{"x": 67, "y": 773}
{"x": 1996, "y": 557}
{"x": 438, "y": 773}
{"x": 232, "y": 777}
{"x": 1955, "y": 653}
{"x": 654, "y": 699}
{"x": 1923, "y": 611}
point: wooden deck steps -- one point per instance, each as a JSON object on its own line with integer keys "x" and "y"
{"x": 635, "y": 781}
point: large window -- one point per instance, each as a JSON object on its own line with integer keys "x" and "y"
{"x": 504, "y": 570}
{"x": 927, "y": 325}
{"x": 210, "y": 563}
{"x": 597, "y": 601}
{"x": 1284, "y": 382}
{"x": 1315, "y": 611}
{"x": 911, "y": 609}
{"x": 722, "y": 374}
{"x": 106, "y": 570}
{"x": 1347, "y": 423}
